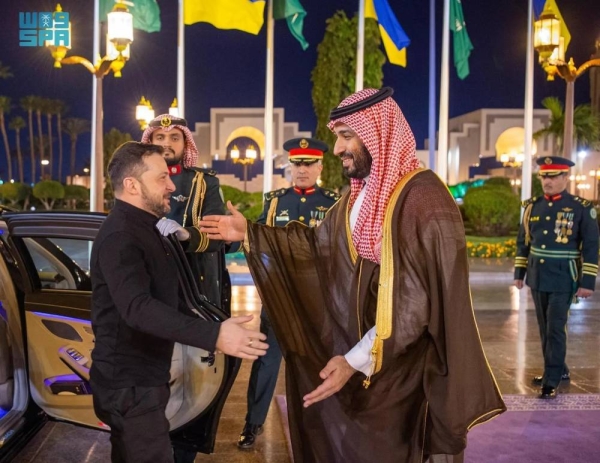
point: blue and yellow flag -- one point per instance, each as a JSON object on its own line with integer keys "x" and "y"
{"x": 244, "y": 15}
{"x": 393, "y": 36}
{"x": 540, "y": 5}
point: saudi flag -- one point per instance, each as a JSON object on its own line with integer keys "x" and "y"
{"x": 460, "y": 37}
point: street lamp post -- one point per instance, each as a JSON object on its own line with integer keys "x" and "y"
{"x": 551, "y": 48}
{"x": 514, "y": 161}
{"x": 118, "y": 38}
{"x": 144, "y": 113}
{"x": 249, "y": 159}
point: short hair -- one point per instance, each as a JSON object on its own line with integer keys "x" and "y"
{"x": 128, "y": 161}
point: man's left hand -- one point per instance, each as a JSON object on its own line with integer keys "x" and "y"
{"x": 583, "y": 293}
{"x": 167, "y": 226}
{"x": 336, "y": 374}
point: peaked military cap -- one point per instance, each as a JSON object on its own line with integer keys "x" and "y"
{"x": 167, "y": 120}
{"x": 305, "y": 149}
{"x": 551, "y": 166}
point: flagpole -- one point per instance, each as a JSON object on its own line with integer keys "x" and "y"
{"x": 180, "y": 60}
{"x": 528, "y": 113}
{"x": 268, "y": 154}
{"x": 97, "y": 148}
{"x": 360, "y": 47}
{"x": 442, "y": 157}
{"x": 432, "y": 163}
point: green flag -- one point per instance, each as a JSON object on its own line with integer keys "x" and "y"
{"x": 293, "y": 12}
{"x": 460, "y": 37}
{"x": 146, "y": 14}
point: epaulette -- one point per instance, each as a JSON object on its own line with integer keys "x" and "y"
{"x": 584, "y": 202}
{"x": 529, "y": 201}
{"x": 275, "y": 194}
{"x": 331, "y": 194}
{"x": 210, "y": 172}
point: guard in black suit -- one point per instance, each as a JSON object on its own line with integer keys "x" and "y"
{"x": 557, "y": 248}
{"x": 197, "y": 193}
{"x": 307, "y": 203}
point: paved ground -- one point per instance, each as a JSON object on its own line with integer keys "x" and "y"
{"x": 508, "y": 330}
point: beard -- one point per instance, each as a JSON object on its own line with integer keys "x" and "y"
{"x": 171, "y": 158}
{"x": 361, "y": 165}
{"x": 154, "y": 203}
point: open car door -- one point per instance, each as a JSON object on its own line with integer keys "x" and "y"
{"x": 52, "y": 252}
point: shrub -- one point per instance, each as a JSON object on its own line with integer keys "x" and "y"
{"x": 77, "y": 196}
{"x": 15, "y": 194}
{"x": 492, "y": 211}
{"x": 48, "y": 191}
{"x": 498, "y": 182}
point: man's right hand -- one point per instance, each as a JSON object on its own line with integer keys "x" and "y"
{"x": 241, "y": 342}
{"x": 519, "y": 284}
{"x": 224, "y": 227}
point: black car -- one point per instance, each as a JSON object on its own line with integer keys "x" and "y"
{"x": 46, "y": 337}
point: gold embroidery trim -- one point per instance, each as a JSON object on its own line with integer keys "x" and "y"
{"x": 272, "y": 212}
{"x": 526, "y": 215}
{"x": 385, "y": 294}
{"x": 351, "y": 247}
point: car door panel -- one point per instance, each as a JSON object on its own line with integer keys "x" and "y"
{"x": 57, "y": 307}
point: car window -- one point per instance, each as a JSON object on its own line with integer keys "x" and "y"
{"x": 61, "y": 263}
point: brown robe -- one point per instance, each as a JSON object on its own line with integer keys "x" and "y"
{"x": 434, "y": 384}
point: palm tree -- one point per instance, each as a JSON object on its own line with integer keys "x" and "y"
{"x": 73, "y": 127}
{"x": 586, "y": 125}
{"x": 17, "y": 123}
{"x": 28, "y": 104}
{"x": 48, "y": 110}
{"x": 5, "y": 109}
{"x": 38, "y": 108}
{"x": 5, "y": 71}
{"x": 60, "y": 108}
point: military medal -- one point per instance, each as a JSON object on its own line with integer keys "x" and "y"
{"x": 313, "y": 221}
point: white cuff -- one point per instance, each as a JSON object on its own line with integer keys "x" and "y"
{"x": 359, "y": 356}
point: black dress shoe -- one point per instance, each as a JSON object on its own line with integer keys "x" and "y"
{"x": 548, "y": 392}
{"x": 249, "y": 435}
{"x": 537, "y": 380}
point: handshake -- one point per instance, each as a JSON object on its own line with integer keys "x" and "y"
{"x": 167, "y": 227}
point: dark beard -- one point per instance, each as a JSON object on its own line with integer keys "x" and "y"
{"x": 156, "y": 208}
{"x": 362, "y": 163}
{"x": 173, "y": 161}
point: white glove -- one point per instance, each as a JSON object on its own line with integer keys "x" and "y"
{"x": 167, "y": 226}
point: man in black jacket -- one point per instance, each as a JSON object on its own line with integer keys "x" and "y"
{"x": 136, "y": 313}
{"x": 197, "y": 193}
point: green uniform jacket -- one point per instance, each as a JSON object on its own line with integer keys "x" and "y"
{"x": 557, "y": 246}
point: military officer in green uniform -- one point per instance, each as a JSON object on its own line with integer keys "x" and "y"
{"x": 197, "y": 193}
{"x": 557, "y": 248}
{"x": 307, "y": 203}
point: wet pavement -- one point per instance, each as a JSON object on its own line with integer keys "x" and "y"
{"x": 508, "y": 330}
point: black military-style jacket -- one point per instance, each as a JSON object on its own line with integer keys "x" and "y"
{"x": 197, "y": 194}
{"x": 557, "y": 246}
{"x": 307, "y": 206}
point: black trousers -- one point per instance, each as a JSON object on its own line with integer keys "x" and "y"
{"x": 263, "y": 376}
{"x": 139, "y": 429}
{"x": 552, "y": 310}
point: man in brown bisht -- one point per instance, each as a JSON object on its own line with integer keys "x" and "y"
{"x": 372, "y": 308}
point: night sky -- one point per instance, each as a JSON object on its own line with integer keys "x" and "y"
{"x": 227, "y": 68}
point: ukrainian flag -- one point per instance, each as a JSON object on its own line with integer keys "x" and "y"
{"x": 393, "y": 36}
{"x": 244, "y": 15}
